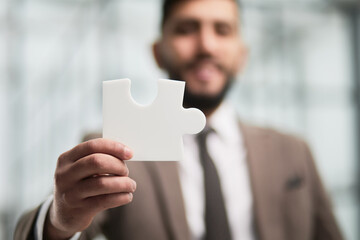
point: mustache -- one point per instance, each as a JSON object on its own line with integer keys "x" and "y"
{"x": 205, "y": 58}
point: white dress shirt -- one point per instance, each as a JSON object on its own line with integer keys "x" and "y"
{"x": 227, "y": 150}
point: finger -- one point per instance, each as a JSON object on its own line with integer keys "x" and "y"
{"x": 94, "y": 165}
{"x": 99, "y": 145}
{"x": 97, "y": 186}
{"x": 89, "y": 166}
{"x": 105, "y": 185}
{"x": 103, "y": 202}
{"x": 97, "y": 164}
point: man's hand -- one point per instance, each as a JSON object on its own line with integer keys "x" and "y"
{"x": 89, "y": 178}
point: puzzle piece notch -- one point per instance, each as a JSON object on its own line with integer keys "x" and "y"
{"x": 154, "y": 131}
{"x": 176, "y": 89}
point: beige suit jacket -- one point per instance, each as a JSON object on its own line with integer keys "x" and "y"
{"x": 290, "y": 202}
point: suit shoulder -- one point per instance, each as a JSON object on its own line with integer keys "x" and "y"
{"x": 274, "y": 135}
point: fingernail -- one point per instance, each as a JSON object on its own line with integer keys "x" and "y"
{"x": 130, "y": 196}
{"x": 128, "y": 170}
{"x": 128, "y": 153}
{"x": 134, "y": 185}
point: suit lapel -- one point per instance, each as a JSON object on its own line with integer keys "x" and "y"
{"x": 263, "y": 169}
{"x": 170, "y": 192}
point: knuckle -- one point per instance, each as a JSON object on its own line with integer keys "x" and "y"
{"x": 68, "y": 198}
{"x": 58, "y": 178}
{"x": 92, "y": 145}
{"x": 95, "y": 161}
{"x": 101, "y": 182}
{"x": 62, "y": 159}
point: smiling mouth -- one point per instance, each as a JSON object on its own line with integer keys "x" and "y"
{"x": 206, "y": 71}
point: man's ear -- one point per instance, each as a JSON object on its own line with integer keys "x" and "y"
{"x": 156, "y": 49}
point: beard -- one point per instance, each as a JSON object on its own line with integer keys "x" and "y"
{"x": 204, "y": 102}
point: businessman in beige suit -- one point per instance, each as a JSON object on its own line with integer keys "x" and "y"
{"x": 236, "y": 181}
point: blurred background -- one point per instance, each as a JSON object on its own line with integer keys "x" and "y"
{"x": 303, "y": 77}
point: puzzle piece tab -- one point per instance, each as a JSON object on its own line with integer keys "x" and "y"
{"x": 154, "y": 132}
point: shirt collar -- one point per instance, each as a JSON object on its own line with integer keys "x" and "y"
{"x": 224, "y": 121}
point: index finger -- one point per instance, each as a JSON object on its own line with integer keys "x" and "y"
{"x": 99, "y": 145}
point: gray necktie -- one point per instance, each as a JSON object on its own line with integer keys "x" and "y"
{"x": 217, "y": 226}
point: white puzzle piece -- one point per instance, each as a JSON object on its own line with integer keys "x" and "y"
{"x": 154, "y": 132}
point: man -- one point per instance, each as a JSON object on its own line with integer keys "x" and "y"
{"x": 265, "y": 182}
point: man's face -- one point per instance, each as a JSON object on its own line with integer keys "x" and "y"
{"x": 201, "y": 45}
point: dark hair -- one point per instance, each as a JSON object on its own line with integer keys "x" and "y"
{"x": 168, "y": 5}
{"x": 166, "y": 9}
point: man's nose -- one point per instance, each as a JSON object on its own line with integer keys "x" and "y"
{"x": 207, "y": 41}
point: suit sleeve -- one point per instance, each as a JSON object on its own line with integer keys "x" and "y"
{"x": 25, "y": 227}
{"x": 325, "y": 225}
